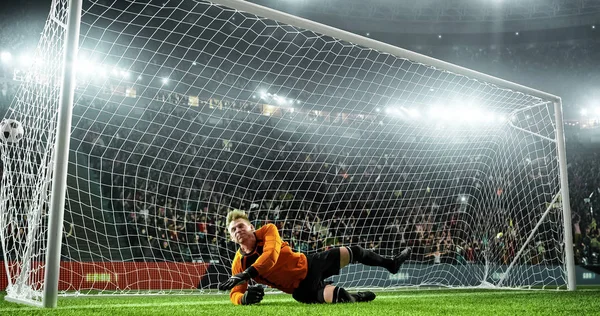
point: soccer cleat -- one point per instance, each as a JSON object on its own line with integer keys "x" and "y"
{"x": 399, "y": 259}
{"x": 364, "y": 296}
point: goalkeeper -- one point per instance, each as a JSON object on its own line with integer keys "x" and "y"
{"x": 266, "y": 259}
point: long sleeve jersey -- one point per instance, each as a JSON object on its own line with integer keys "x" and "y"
{"x": 274, "y": 264}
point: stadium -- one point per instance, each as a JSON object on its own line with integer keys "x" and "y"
{"x": 464, "y": 130}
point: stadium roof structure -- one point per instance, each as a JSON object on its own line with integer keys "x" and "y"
{"x": 444, "y": 16}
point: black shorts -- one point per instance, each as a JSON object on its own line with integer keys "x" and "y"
{"x": 321, "y": 266}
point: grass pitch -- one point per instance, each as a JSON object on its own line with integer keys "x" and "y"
{"x": 406, "y": 302}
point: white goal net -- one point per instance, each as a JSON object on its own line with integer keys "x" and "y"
{"x": 188, "y": 109}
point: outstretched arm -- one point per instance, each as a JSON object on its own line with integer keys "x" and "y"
{"x": 237, "y": 288}
{"x": 242, "y": 293}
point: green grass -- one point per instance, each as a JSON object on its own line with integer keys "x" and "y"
{"x": 413, "y": 302}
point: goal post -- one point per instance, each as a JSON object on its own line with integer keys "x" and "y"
{"x": 181, "y": 112}
{"x": 60, "y": 156}
{"x": 566, "y": 206}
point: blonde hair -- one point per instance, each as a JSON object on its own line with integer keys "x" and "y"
{"x": 235, "y": 215}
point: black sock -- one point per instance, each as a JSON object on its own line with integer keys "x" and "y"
{"x": 340, "y": 295}
{"x": 369, "y": 258}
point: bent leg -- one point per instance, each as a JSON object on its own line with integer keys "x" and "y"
{"x": 369, "y": 258}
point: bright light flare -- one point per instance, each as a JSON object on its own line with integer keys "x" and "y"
{"x": 85, "y": 67}
{"x": 263, "y": 94}
{"x": 392, "y": 111}
{"x": 25, "y": 60}
{"x": 102, "y": 72}
{"x": 411, "y": 112}
{"x": 6, "y": 57}
{"x": 464, "y": 115}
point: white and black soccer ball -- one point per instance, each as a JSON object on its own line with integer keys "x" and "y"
{"x": 11, "y": 131}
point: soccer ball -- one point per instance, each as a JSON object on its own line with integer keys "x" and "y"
{"x": 11, "y": 131}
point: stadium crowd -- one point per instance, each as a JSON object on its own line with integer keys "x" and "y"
{"x": 173, "y": 195}
{"x": 171, "y": 188}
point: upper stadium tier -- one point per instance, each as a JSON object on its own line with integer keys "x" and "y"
{"x": 443, "y": 16}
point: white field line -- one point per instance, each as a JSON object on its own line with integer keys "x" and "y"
{"x": 225, "y": 301}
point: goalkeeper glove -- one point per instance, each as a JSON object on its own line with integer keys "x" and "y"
{"x": 234, "y": 280}
{"x": 254, "y": 294}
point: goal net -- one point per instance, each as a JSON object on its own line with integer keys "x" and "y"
{"x": 186, "y": 110}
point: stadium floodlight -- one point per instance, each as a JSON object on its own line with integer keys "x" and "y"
{"x": 412, "y": 113}
{"x": 488, "y": 117}
{"x": 164, "y": 81}
{"x": 25, "y": 60}
{"x": 6, "y": 57}
{"x": 393, "y": 111}
{"x": 163, "y": 153}
{"x": 470, "y": 115}
{"x": 435, "y": 111}
{"x": 86, "y": 67}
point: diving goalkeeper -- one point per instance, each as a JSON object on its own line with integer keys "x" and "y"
{"x": 266, "y": 259}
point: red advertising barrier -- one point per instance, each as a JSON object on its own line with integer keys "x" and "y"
{"x": 117, "y": 275}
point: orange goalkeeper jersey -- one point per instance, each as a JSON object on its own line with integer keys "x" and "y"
{"x": 277, "y": 264}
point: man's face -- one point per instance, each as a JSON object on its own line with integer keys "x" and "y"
{"x": 240, "y": 230}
